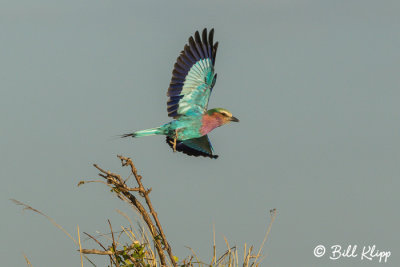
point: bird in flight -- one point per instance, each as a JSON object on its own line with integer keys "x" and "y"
{"x": 193, "y": 79}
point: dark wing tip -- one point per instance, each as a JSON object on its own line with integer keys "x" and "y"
{"x": 191, "y": 41}
{"x": 197, "y": 37}
{"x": 204, "y": 35}
{"x": 211, "y": 36}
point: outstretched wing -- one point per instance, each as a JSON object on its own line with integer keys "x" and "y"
{"x": 193, "y": 76}
{"x": 194, "y": 147}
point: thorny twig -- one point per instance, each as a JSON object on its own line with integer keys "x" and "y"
{"x": 124, "y": 192}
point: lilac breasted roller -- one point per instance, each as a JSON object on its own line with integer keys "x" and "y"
{"x": 193, "y": 79}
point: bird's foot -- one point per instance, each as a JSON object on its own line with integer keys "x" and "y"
{"x": 174, "y": 142}
{"x": 174, "y": 145}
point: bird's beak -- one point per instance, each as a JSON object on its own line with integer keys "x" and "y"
{"x": 234, "y": 119}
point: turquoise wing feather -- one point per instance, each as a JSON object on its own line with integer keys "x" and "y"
{"x": 193, "y": 77}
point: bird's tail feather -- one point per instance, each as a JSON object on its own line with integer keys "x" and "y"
{"x": 147, "y": 132}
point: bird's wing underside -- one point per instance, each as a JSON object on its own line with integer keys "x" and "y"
{"x": 193, "y": 76}
{"x": 194, "y": 147}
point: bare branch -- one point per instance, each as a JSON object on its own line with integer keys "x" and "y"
{"x": 101, "y": 245}
{"x": 273, "y": 216}
{"x": 119, "y": 186}
{"x": 113, "y": 244}
{"x": 127, "y": 161}
{"x": 28, "y": 263}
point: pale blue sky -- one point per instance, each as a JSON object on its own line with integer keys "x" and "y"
{"x": 315, "y": 85}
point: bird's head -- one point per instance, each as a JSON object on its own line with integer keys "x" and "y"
{"x": 222, "y": 115}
